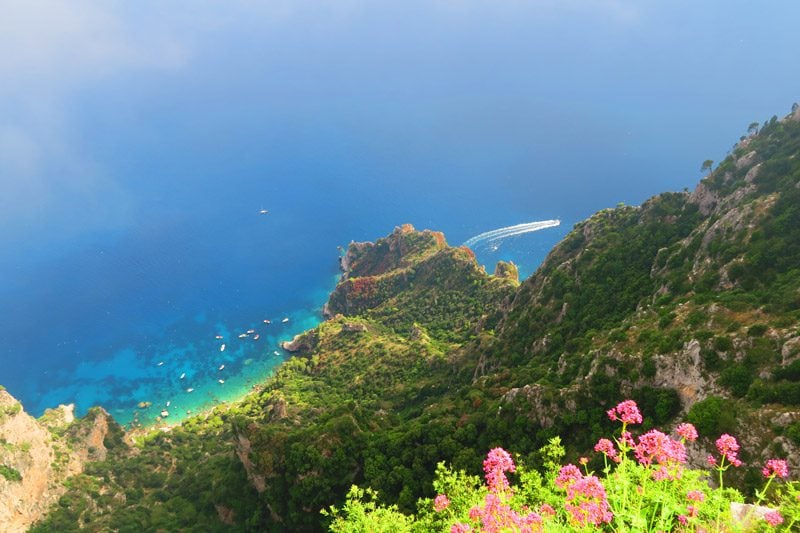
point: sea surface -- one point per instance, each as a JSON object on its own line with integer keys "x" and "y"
{"x": 167, "y": 320}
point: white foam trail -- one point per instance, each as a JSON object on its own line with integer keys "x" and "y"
{"x": 510, "y": 231}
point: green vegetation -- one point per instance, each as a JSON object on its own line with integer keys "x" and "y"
{"x": 10, "y": 473}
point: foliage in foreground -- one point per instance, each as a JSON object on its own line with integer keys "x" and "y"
{"x": 645, "y": 486}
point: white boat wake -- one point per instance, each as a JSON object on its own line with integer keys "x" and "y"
{"x": 511, "y": 231}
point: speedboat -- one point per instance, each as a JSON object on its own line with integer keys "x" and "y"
{"x": 183, "y": 375}
{"x": 190, "y": 389}
{"x": 221, "y": 381}
{"x": 242, "y": 335}
{"x": 285, "y": 320}
{"x": 256, "y": 337}
{"x": 220, "y": 367}
{"x": 222, "y": 348}
{"x": 263, "y": 212}
{"x": 250, "y": 331}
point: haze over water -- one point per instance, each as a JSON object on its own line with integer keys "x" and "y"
{"x": 138, "y": 144}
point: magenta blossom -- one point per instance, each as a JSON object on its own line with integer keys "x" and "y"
{"x": 587, "y": 503}
{"x": 695, "y": 496}
{"x": 657, "y": 447}
{"x": 460, "y": 528}
{"x": 606, "y": 446}
{"x": 729, "y": 448}
{"x": 627, "y": 412}
{"x": 687, "y": 431}
{"x": 497, "y": 462}
{"x": 568, "y": 475}
{"x": 773, "y": 518}
{"x": 776, "y": 467}
{"x": 440, "y": 503}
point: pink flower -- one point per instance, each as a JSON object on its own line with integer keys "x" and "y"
{"x": 627, "y": 412}
{"x": 497, "y": 462}
{"x": 460, "y": 528}
{"x": 711, "y": 460}
{"x": 776, "y": 467}
{"x": 496, "y": 516}
{"x": 655, "y": 446}
{"x": 729, "y": 448}
{"x": 440, "y": 503}
{"x": 627, "y": 439}
{"x": 687, "y": 431}
{"x": 607, "y": 447}
{"x": 475, "y": 513}
{"x": 773, "y": 518}
{"x": 587, "y": 503}
{"x": 683, "y": 519}
{"x": 547, "y": 509}
{"x": 695, "y": 496}
{"x": 568, "y": 475}
{"x": 692, "y": 510}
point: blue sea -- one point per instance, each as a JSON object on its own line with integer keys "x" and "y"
{"x": 138, "y": 145}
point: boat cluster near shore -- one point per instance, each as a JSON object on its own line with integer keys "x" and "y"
{"x": 250, "y": 334}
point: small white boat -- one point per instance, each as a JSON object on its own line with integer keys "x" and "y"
{"x": 222, "y": 348}
{"x": 168, "y": 402}
{"x": 218, "y": 337}
{"x": 285, "y": 320}
{"x": 164, "y": 413}
{"x": 160, "y": 363}
{"x": 190, "y": 389}
{"x": 221, "y": 381}
{"x": 276, "y": 352}
{"x": 250, "y": 331}
{"x": 267, "y": 321}
{"x": 243, "y": 335}
{"x": 256, "y": 337}
{"x": 183, "y": 375}
{"x": 221, "y": 367}
{"x": 263, "y": 212}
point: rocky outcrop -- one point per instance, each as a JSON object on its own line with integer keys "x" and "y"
{"x": 506, "y": 270}
{"x": 373, "y": 272}
{"x": 301, "y": 343}
{"x": 35, "y": 459}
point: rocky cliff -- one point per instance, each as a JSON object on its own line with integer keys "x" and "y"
{"x": 36, "y": 456}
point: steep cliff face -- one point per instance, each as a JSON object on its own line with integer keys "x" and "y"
{"x": 36, "y": 456}
{"x": 691, "y": 297}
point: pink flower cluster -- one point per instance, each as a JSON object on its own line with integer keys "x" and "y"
{"x": 776, "y": 467}
{"x": 440, "y": 503}
{"x": 607, "y": 447}
{"x": 627, "y": 412}
{"x": 657, "y": 447}
{"x": 586, "y": 500}
{"x": 497, "y": 462}
{"x": 728, "y": 449}
{"x": 695, "y": 496}
{"x": 687, "y": 431}
{"x": 773, "y": 518}
{"x": 496, "y": 516}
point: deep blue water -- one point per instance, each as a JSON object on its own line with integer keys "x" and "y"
{"x": 138, "y": 144}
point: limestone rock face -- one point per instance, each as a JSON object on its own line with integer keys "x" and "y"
{"x": 41, "y": 458}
